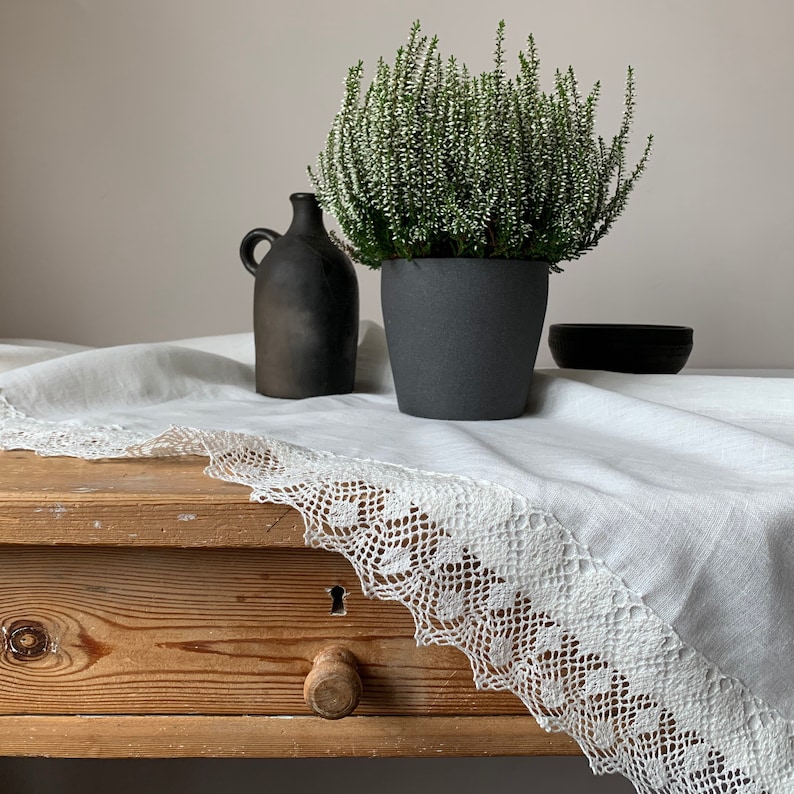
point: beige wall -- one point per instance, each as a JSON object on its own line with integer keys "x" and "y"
{"x": 140, "y": 139}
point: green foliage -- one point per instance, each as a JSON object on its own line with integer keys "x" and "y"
{"x": 435, "y": 161}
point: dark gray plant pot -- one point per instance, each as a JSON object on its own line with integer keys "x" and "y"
{"x": 463, "y": 334}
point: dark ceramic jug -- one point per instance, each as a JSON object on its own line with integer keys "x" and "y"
{"x": 305, "y": 308}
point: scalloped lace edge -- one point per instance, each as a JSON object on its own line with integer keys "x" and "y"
{"x": 484, "y": 571}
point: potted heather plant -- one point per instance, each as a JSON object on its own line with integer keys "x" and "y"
{"x": 466, "y": 190}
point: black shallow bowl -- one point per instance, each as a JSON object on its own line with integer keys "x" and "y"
{"x": 620, "y": 348}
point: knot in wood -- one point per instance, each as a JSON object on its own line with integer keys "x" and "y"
{"x": 28, "y": 639}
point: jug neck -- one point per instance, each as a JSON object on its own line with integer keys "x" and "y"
{"x": 307, "y": 216}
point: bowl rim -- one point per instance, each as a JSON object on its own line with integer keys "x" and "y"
{"x": 620, "y": 326}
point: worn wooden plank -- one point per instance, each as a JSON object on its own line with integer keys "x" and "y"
{"x": 161, "y": 650}
{"x": 223, "y": 631}
{"x": 277, "y": 737}
{"x": 157, "y": 502}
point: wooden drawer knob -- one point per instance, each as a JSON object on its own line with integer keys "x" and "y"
{"x": 332, "y": 689}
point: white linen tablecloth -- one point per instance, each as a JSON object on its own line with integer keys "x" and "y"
{"x": 621, "y": 556}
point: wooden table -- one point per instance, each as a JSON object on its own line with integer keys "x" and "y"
{"x": 148, "y": 610}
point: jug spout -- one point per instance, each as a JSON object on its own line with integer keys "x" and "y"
{"x": 307, "y": 216}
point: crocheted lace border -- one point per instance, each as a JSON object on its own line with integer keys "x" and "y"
{"x": 484, "y": 571}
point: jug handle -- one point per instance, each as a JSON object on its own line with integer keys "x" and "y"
{"x": 250, "y": 241}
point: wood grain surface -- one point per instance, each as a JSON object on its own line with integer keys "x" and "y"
{"x": 148, "y": 610}
{"x": 154, "y": 502}
{"x": 223, "y": 631}
{"x": 278, "y": 737}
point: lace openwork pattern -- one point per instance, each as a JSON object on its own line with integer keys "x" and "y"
{"x": 484, "y": 571}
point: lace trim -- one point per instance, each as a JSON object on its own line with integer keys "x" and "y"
{"x": 19, "y": 431}
{"x": 484, "y": 571}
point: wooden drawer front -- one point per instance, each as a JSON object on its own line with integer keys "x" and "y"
{"x": 208, "y": 631}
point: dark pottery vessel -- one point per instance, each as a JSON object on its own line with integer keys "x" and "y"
{"x": 305, "y": 308}
{"x": 640, "y": 349}
{"x": 463, "y": 334}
